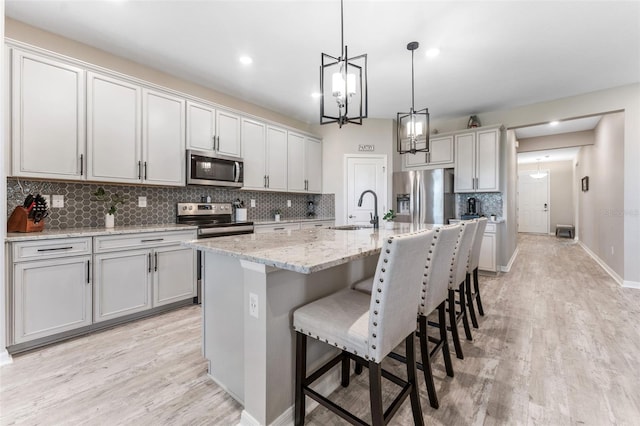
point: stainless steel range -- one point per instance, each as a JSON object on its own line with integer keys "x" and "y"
{"x": 213, "y": 220}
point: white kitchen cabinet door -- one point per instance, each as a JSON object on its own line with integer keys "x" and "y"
{"x": 276, "y": 158}
{"x": 201, "y": 126}
{"x": 228, "y": 137}
{"x": 51, "y": 296}
{"x": 122, "y": 283}
{"x": 174, "y": 275}
{"x": 418, "y": 159}
{"x": 114, "y": 141}
{"x": 488, "y": 160}
{"x": 441, "y": 151}
{"x": 295, "y": 162}
{"x": 48, "y": 116}
{"x": 163, "y": 135}
{"x": 313, "y": 165}
{"x": 487, "y": 259}
{"x": 254, "y": 147}
{"x": 465, "y": 164}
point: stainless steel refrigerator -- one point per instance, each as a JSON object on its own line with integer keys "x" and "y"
{"x": 424, "y": 196}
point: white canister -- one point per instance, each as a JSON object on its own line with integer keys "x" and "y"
{"x": 109, "y": 220}
{"x": 241, "y": 215}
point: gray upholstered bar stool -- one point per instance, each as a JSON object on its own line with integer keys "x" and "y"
{"x": 472, "y": 269}
{"x": 457, "y": 284}
{"x": 366, "y": 328}
{"x": 435, "y": 285}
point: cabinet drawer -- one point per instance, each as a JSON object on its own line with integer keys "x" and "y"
{"x": 276, "y": 228}
{"x": 315, "y": 225}
{"x": 491, "y": 228}
{"x": 48, "y": 249}
{"x": 134, "y": 241}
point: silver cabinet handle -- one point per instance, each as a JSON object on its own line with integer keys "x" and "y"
{"x": 57, "y": 248}
{"x": 139, "y": 170}
{"x": 149, "y": 260}
{"x": 264, "y": 181}
{"x": 81, "y": 164}
{"x": 236, "y": 171}
{"x": 351, "y": 216}
{"x": 150, "y": 240}
{"x": 278, "y": 229}
{"x": 156, "y": 256}
{"x": 88, "y": 271}
{"x": 268, "y": 181}
{"x": 145, "y": 170}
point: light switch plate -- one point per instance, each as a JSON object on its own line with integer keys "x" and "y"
{"x": 57, "y": 201}
{"x": 142, "y": 201}
{"x": 288, "y": 203}
{"x": 253, "y": 203}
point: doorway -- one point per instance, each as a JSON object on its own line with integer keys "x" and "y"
{"x": 365, "y": 172}
{"x": 533, "y": 201}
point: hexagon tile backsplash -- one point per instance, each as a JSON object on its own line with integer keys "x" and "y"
{"x": 82, "y": 210}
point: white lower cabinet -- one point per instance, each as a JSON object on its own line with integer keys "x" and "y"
{"x": 50, "y": 297}
{"x": 122, "y": 284}
{"x": 488, "y": 252}
{"x": 174, "y": 275}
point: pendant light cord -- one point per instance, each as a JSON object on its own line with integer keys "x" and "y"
{"x": 412, "y": 85}
{"x": 341, "y": 30}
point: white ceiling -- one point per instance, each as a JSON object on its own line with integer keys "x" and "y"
{"x": 494, "y": 55}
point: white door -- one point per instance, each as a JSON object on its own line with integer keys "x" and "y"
{"x": 201, "y": 126}
{"x": 533, "y": 203}
{"x": 365, "y": 172}
{"x": 114, "y": 147}
{"x": 163, "y": 138}
{"x": 174, "y": 279}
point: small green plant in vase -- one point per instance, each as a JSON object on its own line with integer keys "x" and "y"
{"x": 113, "y": 201}
{"x": 388, "y": 219}
{"x": 276, "y": 215}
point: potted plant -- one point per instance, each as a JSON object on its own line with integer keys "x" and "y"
{"x": 388, "y": 219}
{"x": 276, "y": 214}
{"x": 113, "y": 201}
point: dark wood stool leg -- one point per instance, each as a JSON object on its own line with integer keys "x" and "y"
{"x": 375, "y": 394}
{"x": 472, "y": 311}
{"x": 453, "y": 325}
{"x": 443, "y": 338}
{"x": 426, "y": 362}
{"x": 412, "y": 375}
{"x": 463, "y": 313}
{"x": 477, "y": 289}
{"x": 346, "y": 369}
{"x": 301, "y": 374}
{"x": 358, "y": 368}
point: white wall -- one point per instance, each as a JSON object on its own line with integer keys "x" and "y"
{"x": 602, "y": 211}
{"x": 625, "y": 98}
{"x": 337, "y": 142}
{"x": 508, "y": 183}
{"x": 561, "y": 187}
{"x": 556, "y": 141}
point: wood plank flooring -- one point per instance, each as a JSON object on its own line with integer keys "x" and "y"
{"x": 559, "y": 345}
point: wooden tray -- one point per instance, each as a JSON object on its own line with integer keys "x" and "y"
{"x": 19, "y": 222}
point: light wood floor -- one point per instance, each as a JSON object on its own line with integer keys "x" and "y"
{"x": 559, "y": 345}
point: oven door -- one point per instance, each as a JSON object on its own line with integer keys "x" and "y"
{"x": 209, "y": 168}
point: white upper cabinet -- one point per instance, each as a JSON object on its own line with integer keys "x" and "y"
{"x": 440, "y": 154}
{"x": 276, "y": 158}
{"x": 477, "y": 165}
{"x": 48, "y": 135}
{"x": 201, "y": 126}
{"x": 163, "y": 135}
{"x": 304, "y": 163}
{"x": 228, "y": 137}
{"x": 114, "y": 146}
{"x": 254, "y": 147}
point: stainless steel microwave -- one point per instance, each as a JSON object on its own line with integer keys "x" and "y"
{"x": 211, "y": 168}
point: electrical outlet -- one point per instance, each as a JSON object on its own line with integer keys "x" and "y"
{"x": 253, "y": 305}
{"x": 288, "y": 203}
{"x": 142, "y": 201}
{"x": 253, "y": 203}
{"x": 57, "y": 201}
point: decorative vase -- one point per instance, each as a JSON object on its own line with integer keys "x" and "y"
{"x": 388, "y": 225}
{"x": 277, "y": 217}
{"x": 109, "y": 220}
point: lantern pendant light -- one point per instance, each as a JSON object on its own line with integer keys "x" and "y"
{"x": 413, "y": 127}
{"x": 343, "y": 84}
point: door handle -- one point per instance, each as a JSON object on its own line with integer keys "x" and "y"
{"x": 139, "y": 170}
{"x": 88, "y": 271}
{"x": 149, "y": 260}
{"x": 145, "y": 170}
{"x": 81, "y": 164}
{"x": 268, "y": 181}
{"x": 236, "y": 171}
{"x": 156, "y": 256}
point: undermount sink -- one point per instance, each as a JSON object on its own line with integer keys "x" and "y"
{"x": 350, "y": 227}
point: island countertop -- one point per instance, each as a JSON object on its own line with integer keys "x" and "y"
{"x": 305, "y": 251}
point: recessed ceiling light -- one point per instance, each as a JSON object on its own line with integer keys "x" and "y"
{"x": 316, "y": 95}
{"x": 433, "y": 52}
{"x": 554, "y": 123}
{"x": 245, "y": 60}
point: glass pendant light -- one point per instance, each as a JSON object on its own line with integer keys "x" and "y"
{"x": 538, "y": 174}
{"x": 348, "y": 77}
{"x": 413, "y": 127}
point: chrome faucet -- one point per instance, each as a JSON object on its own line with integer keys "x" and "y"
{"x": 374, "y": 217}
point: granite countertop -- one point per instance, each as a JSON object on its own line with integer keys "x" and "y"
{"x": 305, "y": 251}
{"x": 291, "y": 220}
{"x": 93, "y": 232}
{"x": 498, "y": 220}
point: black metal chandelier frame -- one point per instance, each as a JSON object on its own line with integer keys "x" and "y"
{"x": 409, "y": 144}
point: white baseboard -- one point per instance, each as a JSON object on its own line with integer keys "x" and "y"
{"x": 324, "y": 386}
{"x": 617, "y": 278}
{"x": 631, "y": 284}
{"x": 5, "y": 358}
{"x": 510, "y": 264}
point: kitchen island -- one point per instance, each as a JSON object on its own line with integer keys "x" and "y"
{"x": 251, "y": 286}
